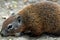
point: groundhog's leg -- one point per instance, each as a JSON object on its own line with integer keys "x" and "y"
{"x": 20, "y": 31}
{"x": 37, "y": 32}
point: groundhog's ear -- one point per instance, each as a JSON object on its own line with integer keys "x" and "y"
{"x": 19, "y": 18}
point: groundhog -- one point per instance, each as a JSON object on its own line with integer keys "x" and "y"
{"x": 38, "y": 18}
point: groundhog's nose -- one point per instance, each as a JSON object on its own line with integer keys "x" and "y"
{"x": 3, "y": 34}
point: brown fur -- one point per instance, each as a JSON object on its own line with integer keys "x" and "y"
{"x": 39, "y": 18}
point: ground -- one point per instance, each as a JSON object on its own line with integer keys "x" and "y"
{"x": 12, "y": 6}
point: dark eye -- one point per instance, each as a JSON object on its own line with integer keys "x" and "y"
{"x": 10, "y": 26}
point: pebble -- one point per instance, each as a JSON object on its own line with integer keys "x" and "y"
{"x": 10, "y": 39}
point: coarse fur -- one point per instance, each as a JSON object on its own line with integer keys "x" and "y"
{"x": 39, "y": 18}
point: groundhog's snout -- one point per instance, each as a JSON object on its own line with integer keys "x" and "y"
{"x": 3, "y": 33}
{"x": 6, "y": 34}
{"x": 10, "y": 32}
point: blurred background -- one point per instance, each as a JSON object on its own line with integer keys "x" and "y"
{"x": 10, "y": 7}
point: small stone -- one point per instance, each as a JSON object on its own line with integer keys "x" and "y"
{"x": 5, "y": 17}
{"x": 25, "y": 0}
{"x": 9, "y": 39}
{"x": 53, "y": 0}
{"x": 55, "y": 38}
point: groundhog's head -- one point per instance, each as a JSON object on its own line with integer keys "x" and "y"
{"x": 13, "y": 26}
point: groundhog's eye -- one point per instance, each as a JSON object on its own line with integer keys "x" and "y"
{"x": 10, "y": 26}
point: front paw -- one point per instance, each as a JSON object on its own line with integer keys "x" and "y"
{"x": 19, "y": 34}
